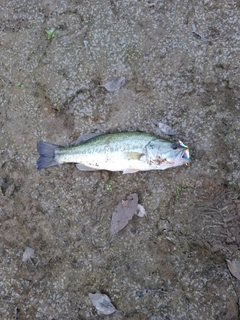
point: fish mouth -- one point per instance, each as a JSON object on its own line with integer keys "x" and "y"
{"x": 185, "y": 154}
{"x": 186, "y": 157}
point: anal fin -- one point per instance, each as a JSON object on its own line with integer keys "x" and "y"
{"x": 130, "y": 170}
{"x": 82, "y": 167}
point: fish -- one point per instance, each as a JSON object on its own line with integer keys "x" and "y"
{"x": 128, "y": 152}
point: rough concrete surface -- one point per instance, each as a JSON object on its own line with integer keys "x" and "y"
{"x": 181, "y": 62}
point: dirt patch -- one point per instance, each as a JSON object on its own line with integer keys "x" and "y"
{"x": 182, "y": 69}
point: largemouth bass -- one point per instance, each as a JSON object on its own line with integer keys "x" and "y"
{"x": 127, "y": 151}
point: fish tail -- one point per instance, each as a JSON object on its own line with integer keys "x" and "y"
{"x": 47, "y": 155}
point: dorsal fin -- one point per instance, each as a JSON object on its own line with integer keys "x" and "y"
{"x": 85, "y": 137}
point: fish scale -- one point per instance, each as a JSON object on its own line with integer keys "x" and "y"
{"x": 103, "y": 147}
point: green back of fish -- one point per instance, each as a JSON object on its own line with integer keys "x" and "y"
{"x": 112, "y": 142}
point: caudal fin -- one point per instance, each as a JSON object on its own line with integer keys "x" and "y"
{"x": 47, "y": 154}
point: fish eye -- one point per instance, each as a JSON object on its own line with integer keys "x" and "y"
{"x": 174, "y": 146}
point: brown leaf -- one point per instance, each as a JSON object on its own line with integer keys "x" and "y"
{"x": 165, "y": 128}
{"x": 102, "y": 303}
{"x": 234, "y": 267}
{"x": 114, "y": 84}
{"x": 123, "y": 213}
{"x": 27, "y": 254}
{"x": 141, "y": 211}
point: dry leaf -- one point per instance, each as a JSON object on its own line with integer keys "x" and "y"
{"x": 114, "y": 84}
{"x": 27, "y": 254}
{"x": 102, "y": 303}
{"x": 141, "y": 211}
{"x": 123, "y": 213}
{"x": 164, "y": 128}
{"x": 234, "y": 267}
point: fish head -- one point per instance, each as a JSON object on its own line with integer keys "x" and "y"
{"x": 163, "y": 154}
{"x": 180, "y": 154}
{"x": 177, "y": 154}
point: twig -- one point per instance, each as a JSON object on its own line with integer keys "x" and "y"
{"x": 16, "y": 311}
{"x": 60, "y": 240}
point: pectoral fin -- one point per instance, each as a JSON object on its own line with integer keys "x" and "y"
{"x": 82, "y": 167}
{"x": 133, "y": 155}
